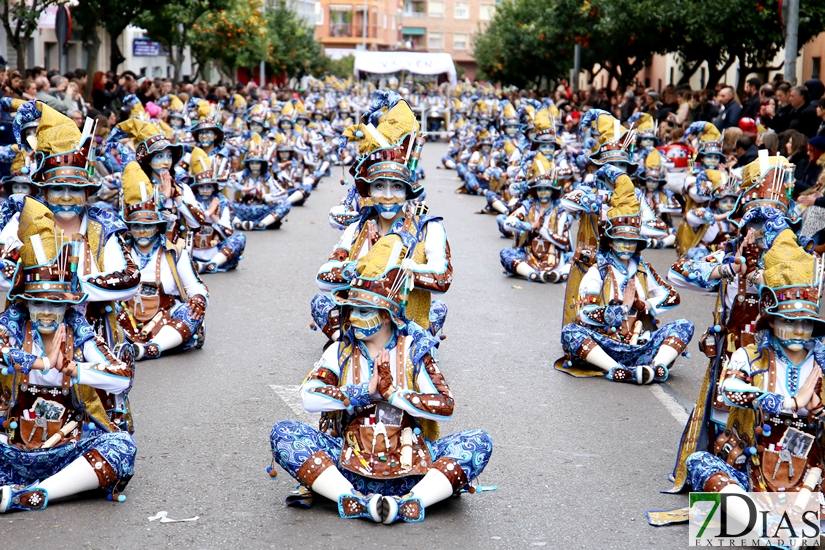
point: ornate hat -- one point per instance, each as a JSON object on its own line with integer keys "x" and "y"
{"x": 766, "y": 182}
{"x": 256, "y": 149}
{"x": 64, "y": 155}
{"x": 390, "y": 146}
{"x": 542, "y": 172}
{"x": 149, "y": 140}
{"x": 208, "y": 119}
{"x": 139, "y": 201}
{"x": 509, "y": 115}
{"x": 624, "y": 218}
{"x": 257, "y": 113}
{"x": 615, "y": 144}
{"x": 200, "y": 168}
{"x": 20, "y": 171}
{"x": 380, "y": 282}
{"x": 716, "y": 184}
{"x": 654, "y": 167}
{"x": 288, "y": 113}
{"x": 175, "y": 107}
{"x": 48, "y": 262}
{"x": 545, "y": 126}
{"x": 710, "y": 139}
{"x": 238, "y": 103}
{"x": 645, "y": 127}
{"x": 791, "y": 283}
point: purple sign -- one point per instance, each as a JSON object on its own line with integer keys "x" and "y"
{"x": 143, "y": 47}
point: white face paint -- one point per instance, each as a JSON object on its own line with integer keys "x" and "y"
{"x": 511, "y": 130}
{"x": 624, "y": 249}
{"x": 388, "y": 197}
{"x": 365, "y": 321}
{"x": 546, "y": 147}
{"x": 206, "y": 189}
{"x": 21, "y": 189}
{"x": 65, "y": 201}
{"x": 646, "y": 143}
{"x": 46, "y": 316}
{"x": 285, "y": 125}
{"x": 143, "y": 234}
{"x": 256, "y": 127}
{"x": 793, "y": 334}
{"x": 176, "y": 122}
{"x": 161, "y": 162}
{"x": 726, "y": 204}
{"x": 711, "y": 161}
{"x": 544, "y": 193}
{"x": 206, "y": 138}
{"x": 255, "y": 167}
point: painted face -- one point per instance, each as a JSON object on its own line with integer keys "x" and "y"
{"x": 256, "y": 127}
{"x": 143, "y": 234}
{"x": 711, "y": 161}
{"x": 29, "y": 135}
{"x": 161, "y": 162}
{"x": 531, "y": 134}
{"x": 21, "y": 189}
{"x": 547, "y": 147}
{"x": 623, "y": 248}
{"x": 544, "y": 193}
{"x": 366, "y": 322}
{"x": 319, "y": 116}
{"x": 511, "y": 130}
{"x": 726, "y": 204}
{"x": 46, "y": 316}
{"x": 388, "y": 197}
{"x": 486, "y": 147}
{"x": 206, "y": 189}
{"x": 65, "y": 201}
{"x": 285, "y": 125}
{"x": 646, "y": 143}
{"x": 793, "y": 334}
{"x": 206, "y": 138}
{"x": 620, "y": 165}
{"x": 255, "y": 166}
{"x": 284, "y": 155}
{"x": 652, "y": 184}
{"x": 176, "y": 122}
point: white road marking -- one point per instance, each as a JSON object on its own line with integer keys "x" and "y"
{"x": 672, "y": 406}
{"x": 289, "y": 395}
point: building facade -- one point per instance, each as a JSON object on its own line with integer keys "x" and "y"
{"x": 367, "y": 24}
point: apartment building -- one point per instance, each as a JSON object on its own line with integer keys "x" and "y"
{"x": 358, "y": 24}
{"x": 446, "y": 26}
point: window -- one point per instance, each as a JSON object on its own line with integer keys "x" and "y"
{"x": 816, "y": 64}
{"x": 462, "y": 10}
{"x": 319, "y": 14}
{"x": 340, "y": 20}
{"x": 393, "y": 22}
{"x": 434, "y": 41}
{"x": 486, "y": 11}
{"x": 436, "y": 8}
{"x": 459, "y": 41}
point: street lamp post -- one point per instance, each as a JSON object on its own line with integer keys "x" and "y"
{"x": 262, "y": 77}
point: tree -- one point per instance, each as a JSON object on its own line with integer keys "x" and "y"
{"x": 234, "y": 37}
{"x": 292, "y": 46}
{"x": 341, "y": 68}
{"x": 20, "y": 22}
{"x": 170, "y": 23}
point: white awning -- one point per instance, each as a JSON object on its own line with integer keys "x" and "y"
{"x": 340, "y": 7}
{"x": 414, "y": 62}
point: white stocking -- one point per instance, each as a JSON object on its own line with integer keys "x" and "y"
{"x": 665, "y": 356}
{"x": 670, "y": 240}
{"x": 296, "y": 197}
{"x": 524, "y": 269}
{"x": 268, "y": 220}
{"x": 433, "y": 487}
{"x": 167, "y": 338}
{"x": 332, "y": 484}
{"x": 499, "y": 207}
{"x": 218, "y": 259}
{"x": 598, "y": 358}
{"x": 77, "y": 477}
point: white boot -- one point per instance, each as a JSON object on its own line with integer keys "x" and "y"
{"x": 269, "y": 219}
{"x": 79, "y": 476}
{"x": 332, "y": 484}
{"x": 167, "y": 338}
{"x": 499, "y": 207}
{"x": 296, "y": 197}
{"x": 598, "y": 358}
{"x": 212, "y": 265}
{"x": 433, "y": 487}
{"x": 524, "y": 269}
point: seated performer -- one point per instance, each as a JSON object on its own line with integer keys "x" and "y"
{"x": 381, "y": 395}
{"x": 619, "y": 299}
{"x": 167, "y": 311}
{"x": 773, "y": 386}
{"x": 262, "y": 203}
{"x": 389, "y": 152}
{"x": 56, "y": 439}
{"x": 709, "y": 221}
{"x": 542, "y": 229}
{"x": 216, "y": 247}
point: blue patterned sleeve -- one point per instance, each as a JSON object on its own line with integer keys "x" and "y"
{"x": 7, "y": 154}
{"x": 28, "y": 112}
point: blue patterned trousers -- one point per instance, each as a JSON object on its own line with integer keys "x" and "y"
{"x": 19, "y": 467}
{"x": 294, "y": 442}
{"x": 322, "y": 304}
{"x": 256, "y": 212}
{"x": 627, "y": 355}
{"x": 702, "y": 465}
{"x": 183, "y": 313}
{"x": 504, "y": 229}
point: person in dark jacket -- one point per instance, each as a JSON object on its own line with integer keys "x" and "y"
{"x": 802, "y": 117}
{"x": 750, "y": 108}
{"x": 731, "y": 112}
{"x": 816, "y": 146}
{"x": 745, "y": 152}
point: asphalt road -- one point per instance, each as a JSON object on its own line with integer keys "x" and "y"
{"x": 577, "y": 462}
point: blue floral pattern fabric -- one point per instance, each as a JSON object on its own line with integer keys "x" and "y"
{"x": 701, "y": 465}
{"x": 294, "y": 442}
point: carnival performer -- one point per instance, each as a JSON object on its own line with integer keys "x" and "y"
{"x": 216, "y": 246}
{"x": 661, "y": 200}
{"x": 167, "y": 311}
{"x": 56, "y": 439}
{"x": 263, "y": 203}
{"x": 378, "y": 454}
{"x": 290, "y": 172}
{"x": 19, "y": 181}
{"x": 62, "y": 175}
{"x": 710, "y": 223}
{"x": 209, "y": 136}
{"x": 762, "y": 212}
{"x": 542, "y": 228}
{"x": 389, "y": 152}
{"x": 774, "y": 388}
{"x": 620, "y": 297}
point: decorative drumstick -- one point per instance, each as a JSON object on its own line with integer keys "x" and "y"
{"x": 64, "y": 431}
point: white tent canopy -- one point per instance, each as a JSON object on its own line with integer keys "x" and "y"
{"x": 414, "y": 62}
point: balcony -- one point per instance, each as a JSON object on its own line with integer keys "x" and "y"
{"x": 339, "y": 30}
{"x": 406, "y": 13}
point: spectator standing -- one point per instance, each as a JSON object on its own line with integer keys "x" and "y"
{"x": 750, "y": 108}
{"x": 42, "y": 94}
{"x": 820, "y": 112}
{"x": 802, "y": 116}
{"x": 745, "y": 152}
{"x": 731, "y": 110}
